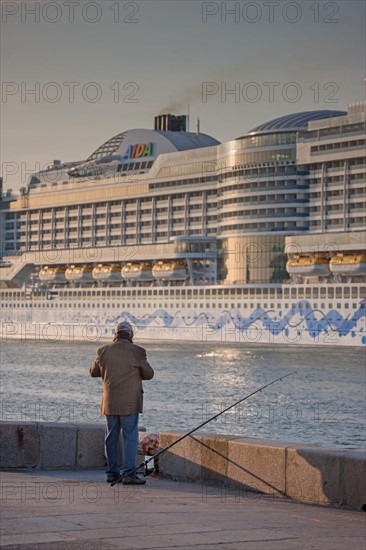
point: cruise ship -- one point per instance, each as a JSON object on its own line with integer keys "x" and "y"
{"x": 257, "y": 240}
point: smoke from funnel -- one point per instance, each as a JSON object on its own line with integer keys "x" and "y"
{"x": 176, "y": 106}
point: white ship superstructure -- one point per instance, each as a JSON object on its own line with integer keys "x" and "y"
{"x": 258, "y": 239}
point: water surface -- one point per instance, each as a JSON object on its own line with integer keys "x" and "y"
{"x": 323, "y": 403}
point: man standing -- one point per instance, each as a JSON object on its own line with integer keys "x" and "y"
{"x": 122, "y": 366}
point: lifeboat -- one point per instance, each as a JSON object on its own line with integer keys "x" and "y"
{"x": 52, "y": 275}
{"x": 308, "y": 266}
{"x": 137, "y": 272}
{"x": 107, "y": 273}
{"x": 79, "y": 274}
{"x": 174, "y": 271}
{"x": 348, "y": 264}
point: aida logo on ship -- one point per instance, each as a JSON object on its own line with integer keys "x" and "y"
{"x": 139, "y": 150}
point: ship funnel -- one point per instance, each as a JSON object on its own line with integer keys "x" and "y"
{"x": 171, "y": 123}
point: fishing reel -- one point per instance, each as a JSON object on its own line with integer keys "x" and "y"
{"x": 148, "y": 471}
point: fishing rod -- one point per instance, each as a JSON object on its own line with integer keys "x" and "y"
{"x": 158, "y": 453}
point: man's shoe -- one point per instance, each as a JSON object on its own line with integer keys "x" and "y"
{"x": 133, "y": 480}
{"x": 112, "y": 477}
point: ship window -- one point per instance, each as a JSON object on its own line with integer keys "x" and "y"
{"x": 330, "y": 292}
{"x": 293, "y": 293}
{"x": 346, "y": 292}
{"x": 338, "y": 293}
{"x": 315, "y": 293}
{"x": 354, "y": 293}
{"x": 354, "y": 306}
{"x": 346, "y": 305}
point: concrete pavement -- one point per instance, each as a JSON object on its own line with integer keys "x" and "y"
{"x": 78, "y": 510}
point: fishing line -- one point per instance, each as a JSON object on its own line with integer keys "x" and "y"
{"x": 158, "y": 453}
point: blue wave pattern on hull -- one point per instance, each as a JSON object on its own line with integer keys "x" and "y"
{"x": 332, "y": 322}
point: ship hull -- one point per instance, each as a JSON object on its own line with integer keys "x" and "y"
{"x": 300, "y": 321}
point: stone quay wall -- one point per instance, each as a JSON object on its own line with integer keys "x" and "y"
{"x": 248, "y": 467}
{"x": 226, "y": 464}
{"x": 54, "y": 446}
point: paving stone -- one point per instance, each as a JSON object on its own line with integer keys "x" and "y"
{"x": 90, "y": 446}
{"x": 19, "y": 445}
{"x": 183, "y": 461}
{"x": 258, "y": 465}
{"x": 165, "y": 514}
{"x": 353, "y": 480}
{"x": 313, "y": 474}
{"x": 214, "y": 455}
{"x": 58, "y": 445}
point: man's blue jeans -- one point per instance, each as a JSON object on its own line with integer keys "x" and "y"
{"x": 129, "y": 426}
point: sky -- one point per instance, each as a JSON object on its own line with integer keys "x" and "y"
{"x": 75, "y": 73}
